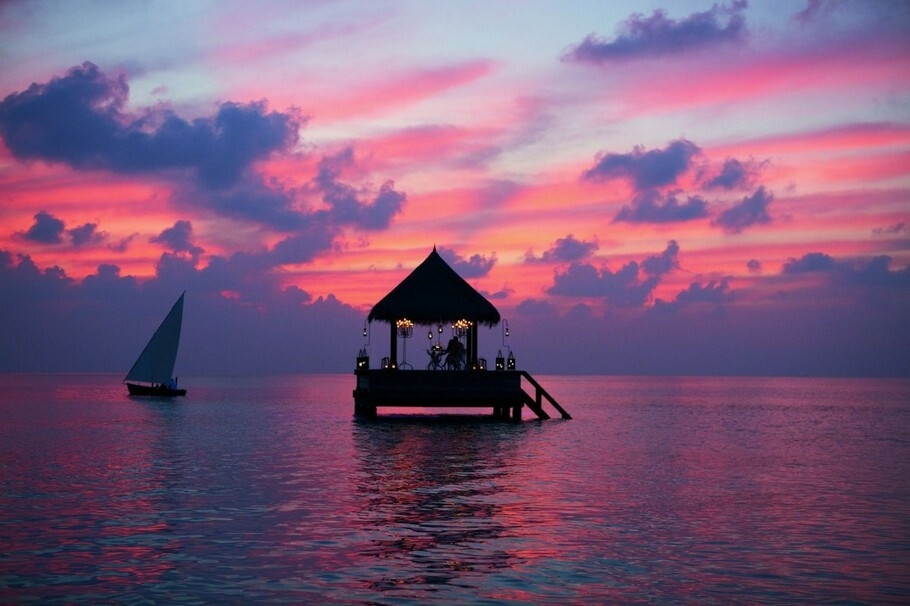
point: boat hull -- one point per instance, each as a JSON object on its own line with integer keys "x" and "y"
{"x": 154, "y": 391}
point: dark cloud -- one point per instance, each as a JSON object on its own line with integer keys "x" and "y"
{"x": 623, "y": 288}
{"x": 751, "y": 210}
{"x": 646, "y": 169}
{"x": 304, "y": 246}
{"x": 252, "y": 199}
{"x": 564, "y": 250}
{"x": 346, "y": 204}
{"x": 629, "y": 286}
{"x": 653, "y": 207}
{"x": 178, "y": 238}
{"x": 86, "y": 234}
{"x": 475, "y": 266}
{"x": 733, "y": 175}
{"x": 79, "y": 119}
{"x": 754, "y": 266}
{"x": 870, "y": 274}
{"x": 656, "y": 35}
{"x": 123, "y": 244}
{"x": 240, "y": 320}
{"x": 47, "y": 229}
{"x": 811, "y": 262}
{"x": 235, "y": 322}
{"x": 896, "y": 229}
{"x": 667, "y": 261}
{"x": 536, "y": 308}
{"x": 715, "y": 292}
{"x": 874, "y": 273}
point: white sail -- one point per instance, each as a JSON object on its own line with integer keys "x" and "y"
{"x": 156, "y": 362}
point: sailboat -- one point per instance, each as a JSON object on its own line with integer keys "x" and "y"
{"x": 153, "y": 371}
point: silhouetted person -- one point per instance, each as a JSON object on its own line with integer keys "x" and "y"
{"x": 454, "y": 353}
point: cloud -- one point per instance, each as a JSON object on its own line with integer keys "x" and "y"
{"x": 302, "y": 247}
{"x": 715, "y": 292}
{"x": 646, "y": 169}
{"x": 86, "y": 234}
{"x": 734, "y": 174}
{"x": 48, "y": 229}
{"x": 654, "y": 36}
{"x": 626, "y": 287}
{"x": 79, "y": 119}
{"x": 754, "y": 266}
{"x": 265, "y": 328}
{"x": 652, "y": 207}
{"x": 564, "y": 250}
{"x": 657, "y": 265}
{"x": 178, "y": 238}
{"x": 346, "y": 203}
{"x": 874, "y": 272}
{"x": 895, "y": 229}
{"x": 474, "y": 267}
{"x": 811, "y": 262}
{"x": 751, "y": 210}
{"x": 536, "y": 307}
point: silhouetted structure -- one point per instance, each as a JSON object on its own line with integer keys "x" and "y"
{"x": 435, "y": 295}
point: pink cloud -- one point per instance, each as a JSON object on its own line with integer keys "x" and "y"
{"x": 741, "y": 78}
{"x": 395, "y": 91}
{"x": 427, "y": 145}
{"x": 848, "y": 136}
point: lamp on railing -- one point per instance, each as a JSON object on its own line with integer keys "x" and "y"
{"x": 363, "y": 360}
{"x": 500, "y": 361}
{"x": 510, "y": 364}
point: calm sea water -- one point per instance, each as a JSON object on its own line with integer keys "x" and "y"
{"x": 661, "y": 490}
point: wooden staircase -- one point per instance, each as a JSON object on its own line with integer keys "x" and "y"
{"x": 536, "y": 403}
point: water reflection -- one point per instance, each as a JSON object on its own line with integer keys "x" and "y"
{"x": 433, "y": 492}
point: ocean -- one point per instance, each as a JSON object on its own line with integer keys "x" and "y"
{"x": 661, "y": 490}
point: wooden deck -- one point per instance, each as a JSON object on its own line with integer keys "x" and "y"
{"x": 500, "y": 391}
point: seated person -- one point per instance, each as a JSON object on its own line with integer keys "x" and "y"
{"x": 455, "y": 353}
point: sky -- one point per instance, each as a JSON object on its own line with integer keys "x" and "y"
{"x": 689, "y": 188}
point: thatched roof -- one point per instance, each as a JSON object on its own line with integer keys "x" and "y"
{"x": 434, "y": 294}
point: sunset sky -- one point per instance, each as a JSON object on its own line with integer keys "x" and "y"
{"x": 639, "y": 187}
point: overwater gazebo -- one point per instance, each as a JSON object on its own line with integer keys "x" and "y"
{"x": 434, "y": 295}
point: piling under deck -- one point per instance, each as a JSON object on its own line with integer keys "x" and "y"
{"x": 500, "y": 391}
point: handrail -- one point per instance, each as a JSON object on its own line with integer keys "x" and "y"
{"x": 542, "y": 391}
